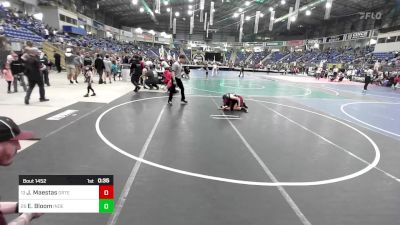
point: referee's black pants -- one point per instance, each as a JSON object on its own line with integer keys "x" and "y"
{"x": 181, "y": 87}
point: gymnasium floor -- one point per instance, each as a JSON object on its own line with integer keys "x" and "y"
{"x": 309, "y": 152}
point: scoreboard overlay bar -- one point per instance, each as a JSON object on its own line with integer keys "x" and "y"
{"x": 66, "y": 193}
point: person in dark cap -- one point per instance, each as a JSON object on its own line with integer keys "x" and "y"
{"x": 10, "y": 135}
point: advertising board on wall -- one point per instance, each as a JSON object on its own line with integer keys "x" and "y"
{"x": 274, "y": 44}
{"x": 314, "y": 41}
{"x": 336, "y": 38}
{"x": 359, "y": 35}
{"x": 295, "y": 43}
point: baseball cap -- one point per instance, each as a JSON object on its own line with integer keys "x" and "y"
{"x": 9, "y": 130}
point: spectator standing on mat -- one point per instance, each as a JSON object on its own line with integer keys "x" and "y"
{"x": 176, "y": 80}
{"x": 206, "y": 69}
{"x": 57, "y": 61}
{"x": 78, "y": 61}
{"x": 214, "y": 69}
{"x": 99, "y": 66}
{"x": 18, "y": 70}
{"x": 70, "y": 65}
{"x": 10, "y": 135}
{"x": 88, "y": 79}
{"x": 241, "y": 69}
{"x": 6, "y": 72}
{"x": 87, "y": 62}
{"x": 45, "y": 71}
{"x": 107, "y": 69}
{"x": 32, "y": 68}
{"x": 136, "y": 72}
{"x": 367, "y": 80}
{"x": 114, "y": 70}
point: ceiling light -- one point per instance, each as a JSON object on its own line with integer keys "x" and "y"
{"x": 134, "y": 2}
{"x": 156, "y": 11}
{"x": 190, "y": 0}
{"x": 247, "y": 3}
{"x": 328, "y": 5}
{"x": 261, "y": 15}
{"x": 6, "y": 4}
{"x": 165, "y": 2}
{"x": 190, "y": 7}
{"x": 308, "y": 12}
{"x": 168, "y": 9}
{"x": 141, "y": 9}
{"x": 248, "y": 17}
{"x": 177, "y": 14}
{"x": 190, "y": 12}
{"x": 283, "y": 2}
{"x": 38, "y": 16}
{"x": 271, "y": 9}
{"x": 235, "y": 15}
{"x": 240, "y": 10}
{"x": 293, "y": 18}
{"x": 138, "y": 30}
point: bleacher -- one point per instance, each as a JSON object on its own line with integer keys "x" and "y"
{"x": 228, "y": 55}
{"x": 20, "y": 33}
{"x": 19, "y": 28}
{"x": 241, "y": 57}
{"x": 309, "y": 56}
{"x": 293, "y": 57}
{"x": 258, "y": 56}
{"x": 276, "y": 56}
{"x": 383, "y": 55}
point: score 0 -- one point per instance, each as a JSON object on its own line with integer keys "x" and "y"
{"x": 106, "y": 198}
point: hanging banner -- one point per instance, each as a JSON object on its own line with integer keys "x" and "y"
{"x": 328, "y": 9}
{"x": 296, "y": 8}
{"x": 271, "y": 21}
{"x": 205, "y": 21}
{"x": 202, "y": 4}
{"x": 174, "y": 26}
{"x": 241, "y": 27}
{"x": 211, "y": 13}
{"x": 289, "y": 18}
{"x": 191, "y": 24}
{"x": 170, "y": 19}
{"x": 256, "y": 21}
{"x": 208, "y": 24}
{"x": 158, "y": 8}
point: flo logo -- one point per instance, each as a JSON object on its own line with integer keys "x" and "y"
{"x": 370, "y": 15}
